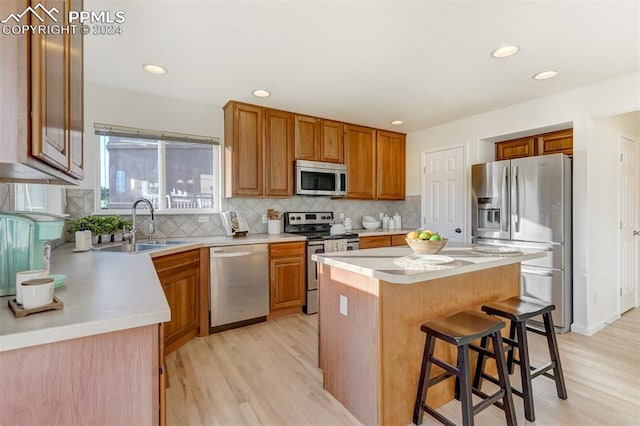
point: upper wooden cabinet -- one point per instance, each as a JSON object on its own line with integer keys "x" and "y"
{"x": 317, "y": 139}
{"x": 390, "y": 161}
{"x": 360, "y": 158}
{"x": 375, "y": 163}
{"x": 258, "y": 151}
{"x": 42, "y": 87}
{"x": 548, "y": 143}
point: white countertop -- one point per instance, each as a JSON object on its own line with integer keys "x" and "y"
{"x": 105, "y": 292}
{"x": 379, "y": 262}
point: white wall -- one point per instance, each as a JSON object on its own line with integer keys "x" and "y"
{"x": 581, "y": 108}
{"x": 126, "y": 108}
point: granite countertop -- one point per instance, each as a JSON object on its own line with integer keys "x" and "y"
{"x": 379, "y": 262}
{"x": 105, "y": 292}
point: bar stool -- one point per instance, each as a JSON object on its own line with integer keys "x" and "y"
{"x": 459, "y": 330}
{"x": 519, "y": 312}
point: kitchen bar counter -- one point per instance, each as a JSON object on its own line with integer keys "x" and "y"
{"x": 370, "y": 312}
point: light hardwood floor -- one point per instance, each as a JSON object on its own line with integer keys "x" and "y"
{"x": 266, "y": 374}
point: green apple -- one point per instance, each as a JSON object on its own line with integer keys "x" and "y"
{"x": 424, "y": 235}
{"x": 435, "y": 237}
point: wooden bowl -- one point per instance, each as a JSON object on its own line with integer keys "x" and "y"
{"x": 426, "y": 246}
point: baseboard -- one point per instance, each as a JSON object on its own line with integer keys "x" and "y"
{"x": 590, "y": 331}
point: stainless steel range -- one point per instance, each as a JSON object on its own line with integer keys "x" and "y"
{"x": 316, "y": 227}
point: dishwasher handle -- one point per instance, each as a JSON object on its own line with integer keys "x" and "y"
{"x": 236, "y": 254}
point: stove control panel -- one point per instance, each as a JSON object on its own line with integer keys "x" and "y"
{"x": 308, "y": 218}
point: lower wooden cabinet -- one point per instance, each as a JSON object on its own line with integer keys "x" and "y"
{"x": 382, "y": 241}
{"x": 286, "y": 278}
{"x": 180, "y": 276}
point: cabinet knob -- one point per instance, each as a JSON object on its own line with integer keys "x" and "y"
{"x": 458, "y": 230}
{"x": 636, "y": 232}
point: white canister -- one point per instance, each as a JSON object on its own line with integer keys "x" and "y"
{"x": 273, "y": 226}
{"x": 83, "y": 240}
{"x": 385, "y": 222}
{"x": 37, "y": 292}
{"x": 23, "y": 276}
{"x": 398, "y": 221}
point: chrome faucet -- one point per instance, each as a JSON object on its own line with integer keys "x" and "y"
{"x": 132, "y": 235}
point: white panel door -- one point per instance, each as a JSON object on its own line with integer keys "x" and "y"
{"x": 629, "y": 223}
{"x": 443, "y": 193}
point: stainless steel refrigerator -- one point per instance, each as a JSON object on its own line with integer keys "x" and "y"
{"x": 526, "y": 203}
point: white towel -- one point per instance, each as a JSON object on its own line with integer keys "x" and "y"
{"x": 331, "y": 246}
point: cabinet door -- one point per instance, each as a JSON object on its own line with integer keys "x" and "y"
{"x": 376, "y": 241}
{"x": 278, "y": 160}
{"x": 49, "y": 92}
{"x": 331, "y": 142}
{"x": 307, "y": 138}
{"x": 245, "y": 135}
{"x": 287, "y": 285}
{"x": 556, "y": 142}
{"x": 516, "y": 148}
{"x": 360, "y": 158}
{"x": 76, "y": 104}
{"x": 390, "y": 172}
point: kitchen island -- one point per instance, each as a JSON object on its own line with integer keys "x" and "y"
{"x": 370, "y": 312}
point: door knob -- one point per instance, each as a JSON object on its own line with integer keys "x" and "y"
{"x": 636, "y": 232}
{"x": 458, "y": 230}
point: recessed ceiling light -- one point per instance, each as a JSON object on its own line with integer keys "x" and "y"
{"x": 505, "y": 51}
{"x": 397, "y": 123}
{"x": 154, "y": 69}
{"x": 544, "y": 75}
{"x": 261, "y": 93}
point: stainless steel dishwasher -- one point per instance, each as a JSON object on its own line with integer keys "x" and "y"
{"x": 239, "y": 285}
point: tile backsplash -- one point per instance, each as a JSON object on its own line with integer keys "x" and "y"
{"x": 80, "y": 203}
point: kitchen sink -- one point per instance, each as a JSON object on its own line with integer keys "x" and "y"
{"x": 138, "y": 247}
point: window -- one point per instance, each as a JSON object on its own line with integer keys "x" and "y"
{"x": 177, "y": 173}
{"x": 38, "y": 198}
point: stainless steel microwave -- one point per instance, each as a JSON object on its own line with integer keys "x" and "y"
{"x": 318, "y": 178}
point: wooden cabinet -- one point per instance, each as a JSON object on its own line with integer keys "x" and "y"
{"x": 548, "y": 143}
{"x": 43, "y": 96}
{"x": 278, "y": 145}
{"x": 258, "y": 151}
{"x": 382, "y": 241}
{"x": 556, "y": 142}
{"x": 180, "y": 275}
{"x": 317, "y": 139}
{"x": 307, "y": 138}
{"x": 360, "y": 158}
{"x": 287, "y": 278}
{"x": 390, "y": 162}
{"x": 516, "y": 148}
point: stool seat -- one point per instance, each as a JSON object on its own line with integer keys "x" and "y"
{"x": 463, "y": 327}
{"x": 517, "y": 309}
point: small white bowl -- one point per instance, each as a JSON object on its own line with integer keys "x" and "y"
{"x": 371, "y": 225}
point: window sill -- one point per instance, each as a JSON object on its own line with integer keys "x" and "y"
{"x": 143, "y": 211}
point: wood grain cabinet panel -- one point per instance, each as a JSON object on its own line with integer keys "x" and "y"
{"x": 556, "y": 142}
{"x": 42, "y": 95}
{"x": 287, "y": 277}
{"x": 179, "y": 275}
{"x": 399, "y": 240}
{"x": 360, "y": 158}
{"x": 243, "y": 134}
{"x": 278, "y": 147}
{"x": 375, "y": 241}
{"x": 390, "y": 165}
{"x": 307, "y": 138}
{"x": 517, "y": 148}
{"x": 331, "y": 142}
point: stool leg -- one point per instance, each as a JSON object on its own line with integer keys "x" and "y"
{"x": 425, "y": 371}
{"x": 477, "y": 375}
{"x": 525, "y": 371}
{"x": 554, "y": 353}
{"x": 465, "y": 385}
{"x": 512, "y": 336}
{"x": 503, "y": 378}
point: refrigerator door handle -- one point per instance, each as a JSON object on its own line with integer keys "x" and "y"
{"x": 516, "y": 183}
{"x": 536, "y": 271}
{"x": 503, "y": 195}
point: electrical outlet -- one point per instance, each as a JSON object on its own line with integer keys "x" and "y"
{"x": 344, "y": 305}
{"x": 203, "y": 219}
{"x": 264, "y": 218}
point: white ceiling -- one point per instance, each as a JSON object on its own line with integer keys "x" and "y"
{"x": 423, "y": 62}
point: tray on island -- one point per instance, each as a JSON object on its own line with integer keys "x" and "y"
{"x": 19, "y": 311}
